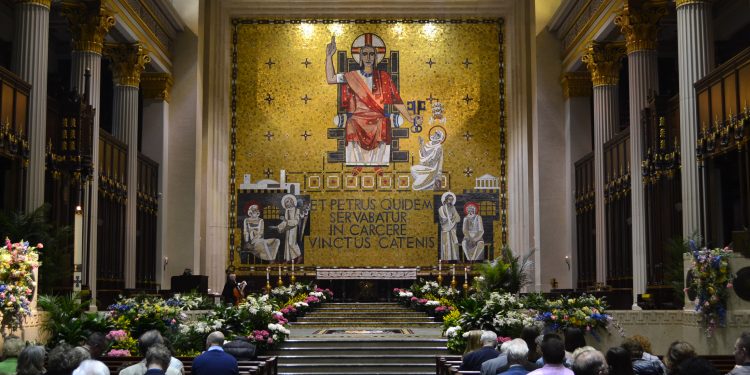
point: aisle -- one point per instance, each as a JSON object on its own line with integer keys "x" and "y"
{"x": 362, "y": 338}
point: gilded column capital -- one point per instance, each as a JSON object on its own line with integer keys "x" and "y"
{"x": 156, "y": 86}
{"x": 576, "y": 84}
{"x": 44, "y": 3}
{"x": 680, "y": 3}
{"x": 89, "y": 23}
{"x": 603, "y": 61}
{"x": 127, "y": 62}
{"x": 639, "y": 22}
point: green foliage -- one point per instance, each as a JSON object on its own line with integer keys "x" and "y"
{"x": 507, "y": 273}
{"x": 35, "y": 227}
{"x": 67, "y": 321}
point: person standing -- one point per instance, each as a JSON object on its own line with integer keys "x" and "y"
{"x": 449, "y": 219}
{"x": 214, "y": 361}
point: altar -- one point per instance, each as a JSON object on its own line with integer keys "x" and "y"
{"x": 365, "y": 284}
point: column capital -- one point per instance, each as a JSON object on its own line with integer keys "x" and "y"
{"x": 44, "y": 3}
{"x": 680, "y": 3}
{"x": 156, "y": 86}
{"x": 127, "y": 62}
{"x": 89, "y": 23}
{"x": 639, "y": 22}
{"x": 576, "y": 84}
{"x": 603, "y": 60}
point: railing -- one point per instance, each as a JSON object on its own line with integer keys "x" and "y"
{"x": 585, "y": 221}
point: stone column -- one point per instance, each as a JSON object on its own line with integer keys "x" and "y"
{"x": 29, "y": 61}
{"x": 155, "y": 145}
{"x": 89, "y": 23}
{"x": 577, "y": 93}
{"x": 638, "y": 21}
{"x": 603, "y": 61}
{"x": 695, "y": 51}
{"x": 128, "y": 62}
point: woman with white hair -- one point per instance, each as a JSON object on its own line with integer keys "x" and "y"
{"x": 91, "y": 367}
{"x": 518, "y": 352}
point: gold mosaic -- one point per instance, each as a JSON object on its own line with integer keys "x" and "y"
{"x": 359, "y": 200}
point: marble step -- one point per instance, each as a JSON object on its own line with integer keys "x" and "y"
{"x": 378, "y": 313}
{"x": 374, "y": 319}
{"x": 431, "y": 351}
{"x": 357, "y": 368}
{"x": 340, "y": 343}
{"x": 337, "y": 358}
{"x": 364, "y": 324}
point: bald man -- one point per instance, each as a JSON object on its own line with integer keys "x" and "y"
{"x": 214, "y": 361}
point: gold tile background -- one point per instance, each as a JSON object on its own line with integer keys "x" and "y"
{"x": 288, "y": 80}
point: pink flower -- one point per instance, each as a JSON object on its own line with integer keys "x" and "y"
{"x": 39, "y": 246}
{"x": 502, "y": 339}
{"x": 118, "y": 353}
{"x": 258, "y": 338}
{"x": 414, "y": 299}
{"x": 730, "y": 285}
{"x": 270, "y": 340}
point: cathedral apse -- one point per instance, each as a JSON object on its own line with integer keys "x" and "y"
{"x": 367, "y": 142}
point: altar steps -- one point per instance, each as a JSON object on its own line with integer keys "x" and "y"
{"x": 330, "y": 340}
{"x": 362, "y": 315}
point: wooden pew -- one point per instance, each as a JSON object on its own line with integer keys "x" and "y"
{"x": 263, "y": 365}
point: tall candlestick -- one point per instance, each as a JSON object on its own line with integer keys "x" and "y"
{"x": 466, "y": 273}
{"x": 453, "y": 270}
{"x": 292, "y": 266}
{"x": 268, "y": 274}
{"x": 440, "y": 265}
{"x": 77, "y": 248}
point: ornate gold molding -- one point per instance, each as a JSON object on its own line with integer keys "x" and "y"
{"x": 156, "y": 86}
{"x": 127, "y": 62}
{"x": 639, "y": 22}
{"x": 603, "y": 60}
{"x": 576, "y": 84}
{"x": 44, "y": 3}
{"x": 679, "y": 3}
{"x": 89, "y": 23}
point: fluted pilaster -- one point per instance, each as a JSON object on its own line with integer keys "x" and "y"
{"x": 155, "y": 145}
{"x": 695, "y": 52}
{"x": 577, "y": 91}
{"x": 29, "y": 61}
{"x": 604, "y": 63}
{"x": 128, "y": 62}
{"x": 639, "y": 22}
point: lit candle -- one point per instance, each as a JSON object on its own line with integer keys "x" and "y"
{"x": 268, "y": 274}
{"x": 466, "y": 274}
{"x": 292, "y": 265}
{"x": 453, "y": 270}
{"x": 77, "y": 247}
{"x": 279, "y": 271}
{"x": 440, "y": 265}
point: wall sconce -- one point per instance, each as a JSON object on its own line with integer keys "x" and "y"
{"x": 567, "y": 261}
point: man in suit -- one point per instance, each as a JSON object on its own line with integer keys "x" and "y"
{"x": 518, "y": 353}
{"x": 473, "y": 361}
{"x": 214, "y": 361}
{"x": 145, "y": 342}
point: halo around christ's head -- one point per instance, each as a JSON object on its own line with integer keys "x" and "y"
{"x": 372, "y": 40}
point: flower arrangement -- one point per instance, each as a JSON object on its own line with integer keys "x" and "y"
{"x": 142, "y": 313}
{"x": 190, "y": 301}
{"x": 17, "y": 263}
{"x": 585, "y": 312}
{"x": 712, "y": 278}
{"x": 289, "y": 291}
{"x": 121, "y": 344}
